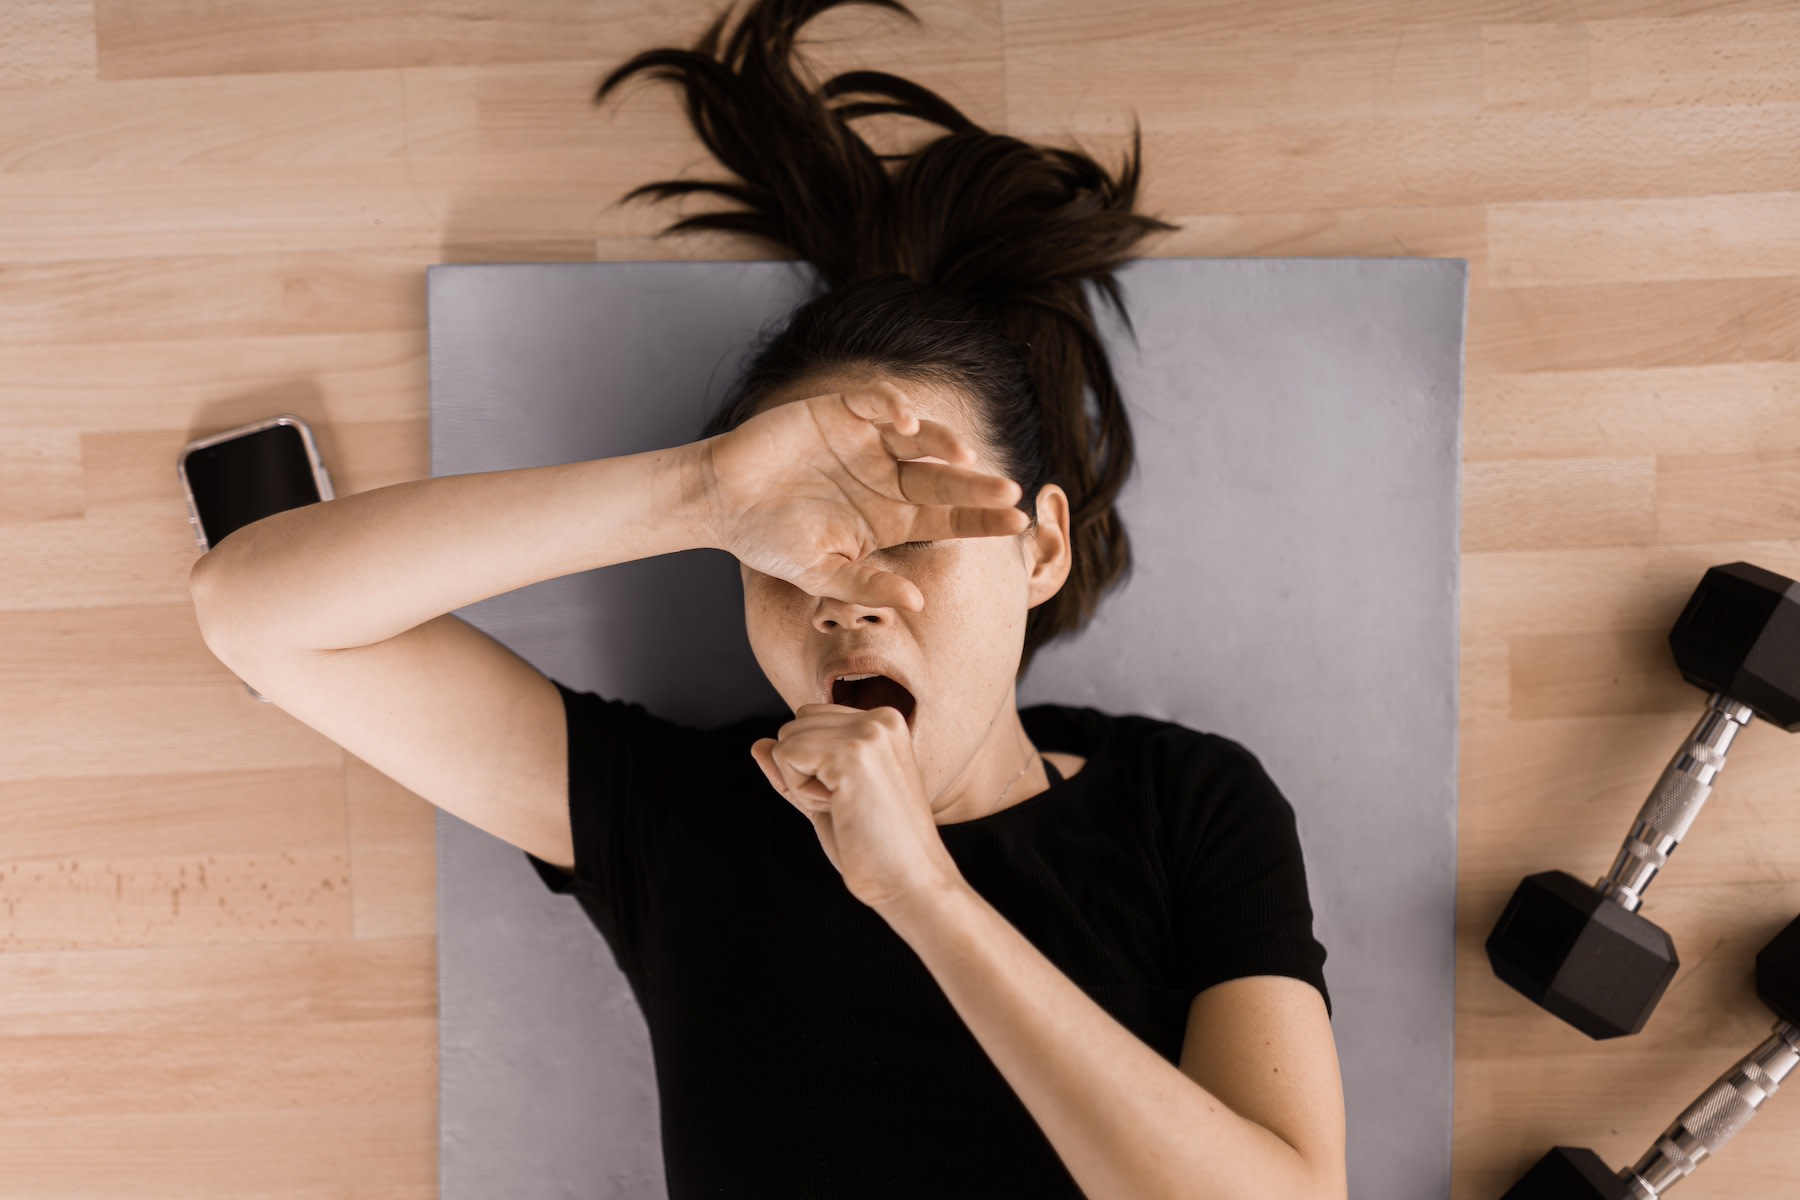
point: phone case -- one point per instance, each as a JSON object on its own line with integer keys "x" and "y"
{"x": 321, "y": 476}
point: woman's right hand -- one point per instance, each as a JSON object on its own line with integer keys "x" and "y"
{"x": 807, "y": 490}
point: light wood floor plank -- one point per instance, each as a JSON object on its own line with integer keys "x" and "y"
{"x": 1250, "y": 81}
{"x": 1728, "y": 497}
{"x": 1524, "y": 504}
{"x": 374, "y": 1149}
{"x": 1744, "y": 57}
{"x": 1554, "y": 243}
{"x": 150, "y": 38}
{"x": 181, "y": 817}
{"x": 1198, "y": 163}
{"x": 76, "y": 730}
{"x": 352, "y": 377}
{"x": 1037, "y": 22}
{"x": 47, "y": 43}
{"x": 1602, "y": 588}
{"x": 1537, "y": 66}
{"x": 1729, "y": 408}
{"x": 1644, "y": 324}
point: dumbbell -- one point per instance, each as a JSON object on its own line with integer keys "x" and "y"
{"x": 1576, "y": 1173}
{"x": 1584, "y": 953}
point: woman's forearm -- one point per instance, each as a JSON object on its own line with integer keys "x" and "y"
{"x": 362, "y": 568}
{"x": 1126, "y": 1122}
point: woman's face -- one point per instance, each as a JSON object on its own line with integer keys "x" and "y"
{"x": 959, "y": 654}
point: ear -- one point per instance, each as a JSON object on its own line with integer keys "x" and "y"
{"x": 1049, "y": 554}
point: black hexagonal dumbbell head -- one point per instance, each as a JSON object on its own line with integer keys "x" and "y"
{"x": 1778, "y": 973}
{"x": 1740, "y": 634}
{"x": 1585, "y": 954}
{"x": 1569, "y": 1173}
{"x": 1576, "y": 1173}
{"x": 1580, "y": 956}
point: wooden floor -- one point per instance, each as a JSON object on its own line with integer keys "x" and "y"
{"x": 219, "y": 970}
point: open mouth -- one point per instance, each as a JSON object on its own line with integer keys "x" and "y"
{"x": 873, "y": 692}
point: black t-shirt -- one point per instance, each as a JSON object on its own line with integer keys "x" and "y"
{"x": 802, "y": 1049}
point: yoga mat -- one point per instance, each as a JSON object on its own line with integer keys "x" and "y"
{"x": 1294, "y": 515}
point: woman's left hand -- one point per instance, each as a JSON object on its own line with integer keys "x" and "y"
{"x": 852, "y": 771}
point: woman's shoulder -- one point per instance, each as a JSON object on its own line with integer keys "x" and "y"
{"x": 1091, "y": 731}
{"x": 1171, "y": 755}
{"x": 697, "y": 749}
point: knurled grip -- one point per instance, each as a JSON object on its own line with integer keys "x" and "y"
{"x": 1678, "y": 795}
{"x": 1720, "y": 1112}
{"x": 1674, "y": 802}
{"x": 1722, "y": 1109}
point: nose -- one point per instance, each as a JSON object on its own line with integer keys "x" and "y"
{"x": 832, "y": 613}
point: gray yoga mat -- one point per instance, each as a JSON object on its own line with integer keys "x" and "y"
{"x": 1294, "y": 515}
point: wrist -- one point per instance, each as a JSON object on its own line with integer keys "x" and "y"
{"x": 926, "y": 906}
{"x": 698, "y": 495}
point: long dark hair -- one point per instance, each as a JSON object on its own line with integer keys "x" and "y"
{"x": 965, "y": 265}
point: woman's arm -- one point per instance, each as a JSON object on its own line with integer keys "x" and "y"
{"x": 1126, "y": 1122}
{"x": 362, "y": 568}
{"x": 1263, "y": 1044}
{"x": 773, "y": 493}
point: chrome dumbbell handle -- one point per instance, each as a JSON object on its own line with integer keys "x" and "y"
{"x": 1674, "y": 802}
{"x": 1721, "y": 1111}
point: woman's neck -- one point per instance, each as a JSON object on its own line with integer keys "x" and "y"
{"x": 1008, "y": 771}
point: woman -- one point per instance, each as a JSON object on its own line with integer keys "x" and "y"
{"x": 1044, "y": 953}
{"x": 913, "y": 941}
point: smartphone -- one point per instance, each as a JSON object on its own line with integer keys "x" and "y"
{"x": 242, "y": 475}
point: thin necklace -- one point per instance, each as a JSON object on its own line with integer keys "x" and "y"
{"x": 1034, "y": 755}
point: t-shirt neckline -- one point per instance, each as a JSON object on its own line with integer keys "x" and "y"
{"x": 1059, "y": 785}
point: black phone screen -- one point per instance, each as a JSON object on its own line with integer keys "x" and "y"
{"x": 245, "y": 479}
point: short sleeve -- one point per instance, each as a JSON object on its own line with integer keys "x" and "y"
{"x": 628, "y": 772}
{"x": 1238, "y": 877}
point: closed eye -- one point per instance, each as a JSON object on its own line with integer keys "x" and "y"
{"x": 916, "y": 545}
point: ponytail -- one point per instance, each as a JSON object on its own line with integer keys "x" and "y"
{"x": 965, "y": 262}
